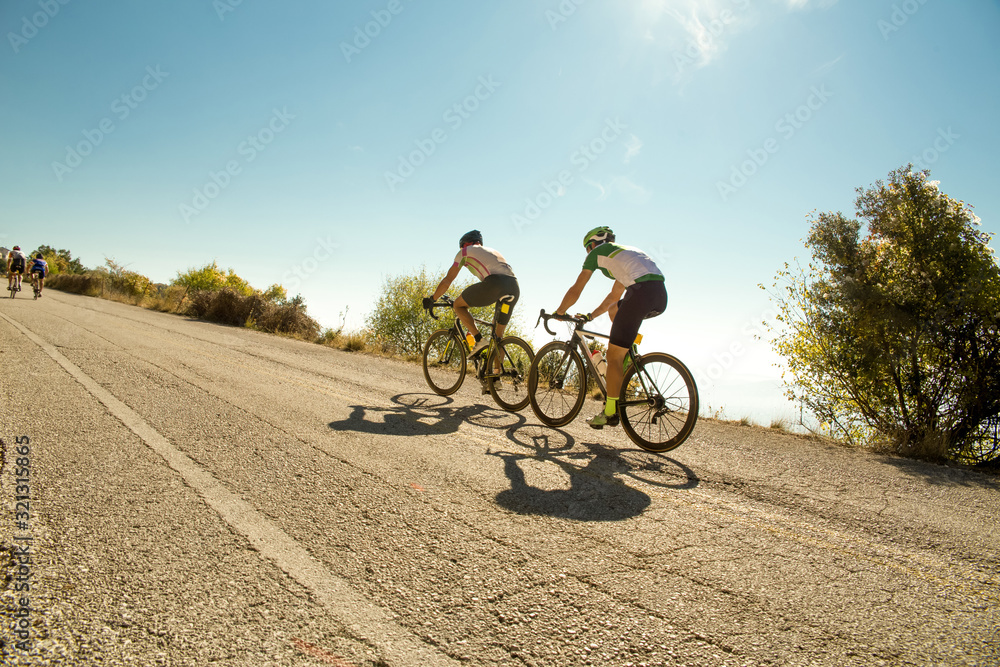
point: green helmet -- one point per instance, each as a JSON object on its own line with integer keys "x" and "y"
{"x": 599, "y": 234}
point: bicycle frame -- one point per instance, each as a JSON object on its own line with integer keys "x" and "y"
{"x": 580, "y": 337}
{"x": 460, "y": 331}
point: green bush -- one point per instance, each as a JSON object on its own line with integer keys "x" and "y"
{"x": 399, "y": 322}
{"x": 212, "y": 279}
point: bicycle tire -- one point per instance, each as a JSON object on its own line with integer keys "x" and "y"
{"x": 444, "y": 362}
{"x": 662, "y": 418}
{"x": 557, "y": 384}
{"x": 509, "y": 388}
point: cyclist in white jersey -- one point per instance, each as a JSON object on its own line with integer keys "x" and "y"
{"x": 497, "y": 285}
{"x": 17, "y": 261}
{"x": 638, "y": 294}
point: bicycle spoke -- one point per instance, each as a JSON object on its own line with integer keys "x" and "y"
{"x": 444, "y": 362}
{"x": 509, "y": 383}
{"x": 557, "y": 385}
{"x": 660, "y": 406}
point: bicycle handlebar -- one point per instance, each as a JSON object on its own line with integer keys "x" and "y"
{"x": 443, "y": 302}
{"x": 545, "y": 317}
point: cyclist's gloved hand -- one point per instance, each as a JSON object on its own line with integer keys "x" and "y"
{"x": 582, "y": 316}
{"x": 428, "y": 303}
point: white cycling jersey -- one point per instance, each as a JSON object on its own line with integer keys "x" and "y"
{"x": 483, "y": 261}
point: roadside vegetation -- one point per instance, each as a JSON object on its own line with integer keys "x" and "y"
{"x": 891, "y": 333}
{"x": 207, "y": 293}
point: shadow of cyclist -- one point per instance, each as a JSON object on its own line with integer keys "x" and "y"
{"x": 422, "y": 414}
{"x": 597, "y": 490}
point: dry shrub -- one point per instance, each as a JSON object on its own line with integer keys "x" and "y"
{"x": 89, "y": 284}
{"x": 166, "y": 299}
{"x": 226, "y": 306}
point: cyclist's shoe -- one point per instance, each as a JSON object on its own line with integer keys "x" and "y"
{"x": 486, "y": 389}
{"x": 479, "y": 347}
{"x": 600, "y": 420}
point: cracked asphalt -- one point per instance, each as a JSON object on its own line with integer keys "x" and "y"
{"x": 202, "y": 495}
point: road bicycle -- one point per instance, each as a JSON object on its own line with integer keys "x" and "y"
{"x": 658, "y": 403}
{"x": 15, "y": 285}
{"x": 501, "y": 367}
{"x": 36, "y": 285}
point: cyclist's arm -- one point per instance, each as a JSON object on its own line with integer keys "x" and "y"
{"x": 446, "y": 281}
{"x": 613, "y": 296}
{"x": 574, "y": 292}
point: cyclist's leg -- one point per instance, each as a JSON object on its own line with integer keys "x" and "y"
{"x": 510, "y": 292}
{"x": 461, "y": 308}
{"x": 640, "y": 301}
{"x": 475, "y": 295}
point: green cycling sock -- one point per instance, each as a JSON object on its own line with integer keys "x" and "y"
{"x": 610, "y": 406}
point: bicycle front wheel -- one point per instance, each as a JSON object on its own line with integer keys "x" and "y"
{"x": 557, "y": 384}
{"x": 444, "y": 362}
{"x": 507, "y": 373}
{"x": 659, "y": 402}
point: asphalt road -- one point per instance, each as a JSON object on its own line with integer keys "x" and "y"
{"x": 199, "y": 494}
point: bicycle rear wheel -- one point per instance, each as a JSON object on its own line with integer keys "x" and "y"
{"x": 659, "y": 402}
{"x": 557, "y": 384}
{"x": 509, "y": 383}
{"x": 444, "y": 362}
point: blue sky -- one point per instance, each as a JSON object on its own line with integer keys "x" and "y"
{"x": 327, "y": 145}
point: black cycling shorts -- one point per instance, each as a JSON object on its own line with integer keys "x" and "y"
{"x": 501, "y": 290}
{"x": 641, "y": 301}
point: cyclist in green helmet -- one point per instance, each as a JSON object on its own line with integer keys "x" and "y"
{"x": 638, "y": 293}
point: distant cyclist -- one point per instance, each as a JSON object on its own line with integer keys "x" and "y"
{"x": 16, "y": 263}
{"x": 497, "y": 285}
{"x": 39, "y": 270}
{"x": 638, "y": 293}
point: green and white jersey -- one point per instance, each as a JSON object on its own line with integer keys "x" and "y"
{"x": 623, "y": 263}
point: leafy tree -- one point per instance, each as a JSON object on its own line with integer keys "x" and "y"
{"x": 399, "y": 322}
{"x": 211, "y": 278}
{"x": 893, "y": 338}
{"x": 60, "y": 261}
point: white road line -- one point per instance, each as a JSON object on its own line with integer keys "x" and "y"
{"x": 363, "y": 619}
